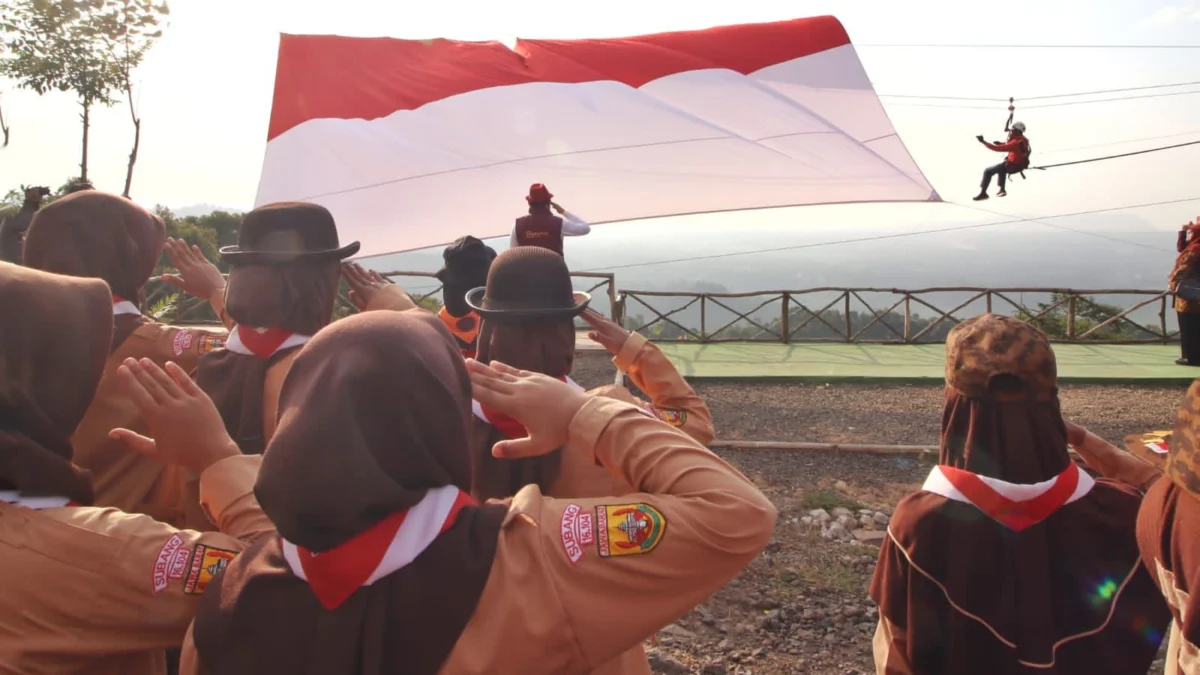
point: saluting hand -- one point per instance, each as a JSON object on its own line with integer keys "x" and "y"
{"x": 605, "y": 332}
{"x": 543, "y": 405}
{"x": 556, "y": 207}
{"x": 364, "y": 284}
{"x": 197, "y": 275}
{"x": 186, "y": 428}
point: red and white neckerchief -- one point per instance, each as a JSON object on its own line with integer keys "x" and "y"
{"x": 262, "y": 342}
{"x": 123, "y": 306}
{"x": 375, "y": 553}
{"x": 506, "y": 425}
{"x": 35, "y": 503}
{"x": 1014, "y": 505}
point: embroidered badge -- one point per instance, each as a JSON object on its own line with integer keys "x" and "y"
{"x": 162, "y": 564}
{"x": 210, "y": 343}
{"x": 675, "y": 418}
{"x": 207, "y": 562}
{"x": 1157, "y": 441}
{"x": 179, "y": 563}
{"x": 628, "y": 529}
{"x": 576, "y": 531}
{"x": 183, "y": 340}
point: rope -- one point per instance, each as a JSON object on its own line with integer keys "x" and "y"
{"x": 1127, "y": 154}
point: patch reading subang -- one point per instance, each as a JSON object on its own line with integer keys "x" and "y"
{"x": 628, "y": 529}
{"x": 575, "y": 528}
{"x": 182, "y": 341}
{"x": 163, "y": 564}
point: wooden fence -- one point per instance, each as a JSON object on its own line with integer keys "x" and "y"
{"x": 903, "y": 317}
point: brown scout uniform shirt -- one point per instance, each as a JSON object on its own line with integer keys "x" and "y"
{"x": 577, "y": 582}
{"x": 97, "y": 591}
{"x": 123, "y": 478}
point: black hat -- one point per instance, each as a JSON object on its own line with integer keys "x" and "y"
{"x": 287, "y": 232}
{"x": 465, "y": 256}
{"x": 526, "y": 284}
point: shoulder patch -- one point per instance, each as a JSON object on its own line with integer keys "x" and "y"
{"x": 675, "y": 418}
{"x": 164, "y": 563}
{"x": 182, "y": 341}
{"x": 207, "y": 562}
{"x": 628, "y": 529}
{"x": 576, "y": 530}
{"x": 211, "y": 343}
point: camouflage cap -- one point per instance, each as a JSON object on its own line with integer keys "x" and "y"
{"x": 981, "y": 348}
{"x": 1182, "y": 465}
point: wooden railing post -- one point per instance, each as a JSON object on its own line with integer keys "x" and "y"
{"x": 907, "y": 317}
{"x": 849, "y": 327}
{"x": 703, "y": 317}
{"x": 988, "y": 303}
{"x": 785, "y": 324}
{"x": 1072, "y": 306}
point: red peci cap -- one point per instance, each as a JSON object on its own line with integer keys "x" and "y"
{"x": 538, "y": 193}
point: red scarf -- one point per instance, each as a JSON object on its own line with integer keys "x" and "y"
{"x": 265, "y": 343}
{"x": 334, "y": 575}
{"x": 1012, "y": 514}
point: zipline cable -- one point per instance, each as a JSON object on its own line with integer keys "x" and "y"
{"x": 1126, "y": 154}
{"x": 1044, "y": 97}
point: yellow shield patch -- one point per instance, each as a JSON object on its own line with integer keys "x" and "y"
{"x": 210, "y": 343}
{"x": 628, "y": 529}
{"x": 207, "y": 562}
{"x": 675, "y": 418}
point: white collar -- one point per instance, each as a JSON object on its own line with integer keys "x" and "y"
{"x": 125, "y": 307}
{"x": 36, "y": 503}
{"x": 234, "y": 342}
{"x": 420, "y": 527}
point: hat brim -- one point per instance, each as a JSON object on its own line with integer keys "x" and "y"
{"x": 234, "y": 255}
{"x": 475, "y": 300}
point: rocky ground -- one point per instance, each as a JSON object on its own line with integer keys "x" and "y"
{"x": 802, "y": 607}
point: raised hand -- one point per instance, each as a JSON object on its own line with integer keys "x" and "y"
{"x": 605, "y": 332}
{"x": 184, "y": 425}
{"x": 543, "y": 405}
{"x": 364, "y": 284}
{"x": 197, "y": 276}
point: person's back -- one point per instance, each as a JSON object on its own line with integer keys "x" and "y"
{"x": 541, "y": 227}
{"x": 1011, "y": 559}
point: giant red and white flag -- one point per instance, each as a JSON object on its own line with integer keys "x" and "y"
{"x": 413, "y": 143}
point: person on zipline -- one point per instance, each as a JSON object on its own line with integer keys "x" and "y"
{"x": 1017, "y": 147}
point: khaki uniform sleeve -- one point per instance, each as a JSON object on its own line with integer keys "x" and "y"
{"x": 148, "y": 596}
{"x": 673, "y": 399}
{"x": 623, "y": 567}
{"x": 392, "y": 298}
{"x": 161, "y": 343}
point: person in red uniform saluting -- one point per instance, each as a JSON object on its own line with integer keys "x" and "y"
{"x": 541, "y": 227}
{"x": 1017, "y": 147}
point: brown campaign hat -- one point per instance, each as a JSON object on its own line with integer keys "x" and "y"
{"x": 984, "y": 347}
{"x": 287, "y": 232}
{"x": 526, "y": 284}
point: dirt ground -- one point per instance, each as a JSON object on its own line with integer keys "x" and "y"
{"x": 802, "y": 607}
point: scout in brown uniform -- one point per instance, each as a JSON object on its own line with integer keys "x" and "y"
{"x": 467, "y": 262}
{"x": 101, "y": 235}
{"x": 13, "y": 228}
{"x": 86, "y": 589}
{"x": 528, "y": 308}
{"x": 383, "y": 564}
{"x": 281, "y": 291}
{"x": 1011, "y": 559}
{"x": 1187, "y": 269}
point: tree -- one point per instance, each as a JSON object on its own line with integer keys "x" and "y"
{"x": 62, "y": 45}
{"x": 128, "y": 28}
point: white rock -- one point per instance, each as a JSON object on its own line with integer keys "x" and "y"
{"x": 867, "y": 522}
{"x": 866, "y": 512}
{"x": 881, "y": 518}
{"x": 847, "y": 522}
{"x": 841, "y": 485}
{"x": 819, "y": 514}
{"x": 807, "y": 521}
{"x": 836, "y": 531}
{"x": 839, "y": 511}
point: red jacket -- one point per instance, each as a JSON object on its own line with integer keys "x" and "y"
{"x": 542, "y": 229}
{"x": 1017, "y": 148}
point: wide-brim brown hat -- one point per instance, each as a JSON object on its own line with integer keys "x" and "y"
{"x": 528, "y": 284}
{"x": 286, "y": 233}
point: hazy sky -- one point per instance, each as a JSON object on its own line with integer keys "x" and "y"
{"x": 205, "y": 91}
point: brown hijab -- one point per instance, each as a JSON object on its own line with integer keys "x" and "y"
{"x": 373, "y": 415}
{"x": 969, "y": 594}
{"x": 100, "y": 235}
{"x": 53, "y": 344}
{"x": 295, "y": 294}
